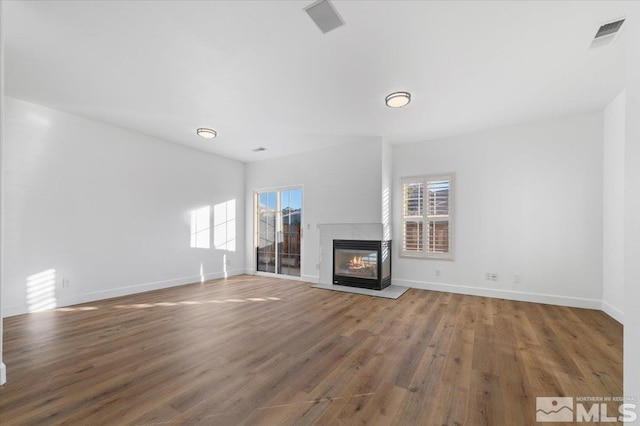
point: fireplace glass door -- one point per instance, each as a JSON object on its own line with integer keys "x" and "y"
{"x": 356, "y": 263}
{"x": 362, "y": 263}
{"x": 278, "y": 231}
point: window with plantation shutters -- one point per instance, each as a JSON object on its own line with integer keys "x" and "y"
{"x": 427, "y": 216}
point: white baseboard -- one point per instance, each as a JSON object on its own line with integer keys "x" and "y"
{"x": 613, "y": 312}
{"x": 68, "y": 300}
{"x": 3, "y": 373}
{"x": 522, "y": 296}
{"x": 311, "y": 278}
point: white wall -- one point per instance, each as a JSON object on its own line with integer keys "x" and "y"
{"x": 105, "y": 208}
{"x": 3, "y": 369}
{"x": 613, "y": 208}
{"x": 528, "y": 202}
{"x": 387, "y": 190}
{"x": 341, "y": 184}
{"x": 632, "y": 212}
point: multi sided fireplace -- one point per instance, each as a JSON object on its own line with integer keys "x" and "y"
{"x": 362, "y": 263}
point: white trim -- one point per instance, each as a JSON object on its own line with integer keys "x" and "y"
{"x": 549, "y": 299}
{"x": 274, "y": 275}
{"x": 3, "y": 368}
{"x": 306, "y": 278}
{"x": 315, "y": 279}
{"x": 613, "y": 312}
{"x": 278, "y": 188}
{"x": 10, "y": 311}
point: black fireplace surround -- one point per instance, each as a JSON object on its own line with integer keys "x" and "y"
{"x": 362, "y": 263}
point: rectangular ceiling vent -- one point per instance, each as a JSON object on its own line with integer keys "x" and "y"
{"x": 610, "y": 28}
{"x": 324, "y": 15}
{"x": 606, "y": 33}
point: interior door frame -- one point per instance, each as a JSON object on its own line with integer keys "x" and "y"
{"x": 276, "y": 189}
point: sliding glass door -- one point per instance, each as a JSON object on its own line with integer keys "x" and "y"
{"x": 278, "y": 219}
{"x": 266, "y": 212}
{"x": 291, "y": 221}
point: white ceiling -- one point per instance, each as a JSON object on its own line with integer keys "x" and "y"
{"x": 262, "y": 74}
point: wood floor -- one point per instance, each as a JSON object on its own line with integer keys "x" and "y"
{"x": 253, "y": 350}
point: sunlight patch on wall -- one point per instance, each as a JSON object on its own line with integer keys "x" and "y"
{"x": 201, "y": 227}
{"x": 386, "y": 214}
{"x": 224, "y": 226}
{"x": 41, "y": 291}
{"x": 38, "y": 120}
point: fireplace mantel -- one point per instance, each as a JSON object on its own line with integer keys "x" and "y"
{"x": 342, "y": 231}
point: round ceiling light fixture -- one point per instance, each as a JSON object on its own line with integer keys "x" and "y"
{"x": 398, "y": 99}
{"x": 206, "y": 133}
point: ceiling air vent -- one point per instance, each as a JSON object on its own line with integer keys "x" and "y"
{"x": 324, "y": 15}
{"x": 260, "y": 149}
{"x": 609, "y": 28}
{"x": 606, "y": 33}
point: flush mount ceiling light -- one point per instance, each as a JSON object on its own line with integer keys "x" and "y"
{"x": 206, "y": 133}
{"x": 398, "y": 99}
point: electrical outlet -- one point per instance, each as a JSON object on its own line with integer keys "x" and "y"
{"x": 491, "y": 276}
{"x": 438, "y": 273}
{"x": 66, "y": 283}
{"x": 487, "y": 276}
{"x": 494, "y": 277}
{"x": 517, "y": 279}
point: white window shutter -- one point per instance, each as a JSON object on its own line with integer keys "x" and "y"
{"x": 427, "y": 216}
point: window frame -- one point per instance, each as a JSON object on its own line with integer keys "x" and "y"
{"x": 425, "y": 218}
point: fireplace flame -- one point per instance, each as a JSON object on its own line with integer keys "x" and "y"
{"x": 357, "y": 263}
